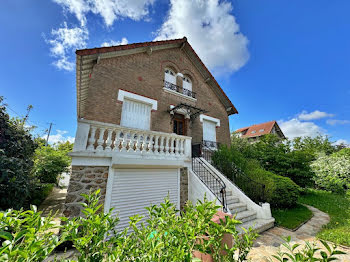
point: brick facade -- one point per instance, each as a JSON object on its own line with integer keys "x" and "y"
{"x": 143, "y": 74}
{"x": 82, "y": 180}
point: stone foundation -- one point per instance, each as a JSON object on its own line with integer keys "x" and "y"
{"x": 82, "y": 180}
{"x": 183, "y": 187}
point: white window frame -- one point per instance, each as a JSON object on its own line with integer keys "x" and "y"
{"x": 209, "y": 118}
{"x": 137, "y": 98}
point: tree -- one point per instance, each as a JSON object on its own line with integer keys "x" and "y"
{"x": 51, "y": 161}
{"x": 314, "y": 145}
{"x": 16, "y": 160}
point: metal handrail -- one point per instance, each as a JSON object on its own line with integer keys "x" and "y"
{"x": 214, "y": 183}
{"x": 179, "y": 89}
{"x": 254, "y": 189}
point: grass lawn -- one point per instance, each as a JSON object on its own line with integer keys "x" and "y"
{"x": 292, "y": 217}
{"x": 338, "y": 207}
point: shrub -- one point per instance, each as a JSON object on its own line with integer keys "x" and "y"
{"x": 50, "y": 162}
{"x": 39, "y": 193}
{"x": 332, "y": 172}
{"x": 16, "y": 152}
{"x": 26, "y": 235}
{"x": 309, "y": 252}
{"x": 279, "y": 191}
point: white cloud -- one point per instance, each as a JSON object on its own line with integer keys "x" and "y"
{"x": 313, "y": 115}
{"x": 60, "y": 136}
{"x": 63, "y": 40}
{"x": 342, "y": 141}
{"x": 124, "y": 41}
{"x": 295, "y": 128}
{"x": 109, "y": 10}
{"x": 333, "y": 122}
{"x": 211, "y": 29}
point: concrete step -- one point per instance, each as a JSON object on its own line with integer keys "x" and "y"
{"x": 228, "y": 193}
{"x": 237, "y": 207}
{"x": 232, "y": 200}
{"x": 259, "y": 225}
{"x": 245, "y": 216}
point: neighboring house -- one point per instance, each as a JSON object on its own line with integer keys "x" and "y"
{"x": 254, "y": 132}
{"x": 140, "y": 110}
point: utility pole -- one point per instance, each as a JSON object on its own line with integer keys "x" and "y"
{"x": 48, "y": 134}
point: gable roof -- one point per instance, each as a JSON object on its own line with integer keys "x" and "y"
{"x": 254, "y": 130}
{"x": 87, "y": 58}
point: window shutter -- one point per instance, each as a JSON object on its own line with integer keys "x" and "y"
{"x": 136, "y": 115}
{"x": 209, "y": 131}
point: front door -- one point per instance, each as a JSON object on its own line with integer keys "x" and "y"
{"x": 179, "y": 125}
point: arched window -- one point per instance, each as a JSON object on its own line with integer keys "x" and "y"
{"x": 187, "y": 86}
{"x": 170, "y": 76}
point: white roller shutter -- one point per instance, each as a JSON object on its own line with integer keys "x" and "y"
{"x": 209, "y": 130}
{"x": 136, "y": 114}
{"x": 133, "y": 190}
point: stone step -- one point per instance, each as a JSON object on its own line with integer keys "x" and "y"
{"x": 232, "y": 200}
{"x": 246, "y": 216}
{"x": 259, "y": 225}
{"x": 237, "y": 207}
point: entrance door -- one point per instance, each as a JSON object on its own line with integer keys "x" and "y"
{"x": 179, "y": 125}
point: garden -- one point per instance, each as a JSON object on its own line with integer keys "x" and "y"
{"x": 294, "y": 173}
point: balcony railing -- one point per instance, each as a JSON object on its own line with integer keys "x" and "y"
{"x": 179, "y": 89}
{"x": 96, "y": 136}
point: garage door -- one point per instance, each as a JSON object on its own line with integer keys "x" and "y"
{"x": 133, "y": 190}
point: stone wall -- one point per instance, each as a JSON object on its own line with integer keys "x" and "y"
{"x": 183, "y": 187}
{"x": 83, "y": 179}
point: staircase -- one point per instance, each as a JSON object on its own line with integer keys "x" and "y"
{"x": 233, "y": 200}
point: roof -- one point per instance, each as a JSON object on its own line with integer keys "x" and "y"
{"x": 259, "y": 129}
{"x": 87, "y": 58}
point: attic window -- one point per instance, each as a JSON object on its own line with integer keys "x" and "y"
{"x": 253, "y": 132}
{"x": 261, "y": 130}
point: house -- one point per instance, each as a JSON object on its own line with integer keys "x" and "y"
{"x": 254, "y": 132}
{"x": 141, "y": 108}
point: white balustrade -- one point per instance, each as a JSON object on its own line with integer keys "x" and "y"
{"x": 102, "y": 137}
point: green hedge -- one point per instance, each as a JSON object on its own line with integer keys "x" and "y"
{"x": 260, "y": 185}
{"x": 279, "y": 191}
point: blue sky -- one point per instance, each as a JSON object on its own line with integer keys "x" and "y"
{"x": 276, "y": 59}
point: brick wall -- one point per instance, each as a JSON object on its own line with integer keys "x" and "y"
{"x": 143, "y": 74}
{"x": 82, "y": 180}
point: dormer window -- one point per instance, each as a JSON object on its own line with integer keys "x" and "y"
{"x": 187, "y": 86}
{"x": 170, "y": 76}
{"x": 261, "y": 130}
{"x": 253, "y": 132}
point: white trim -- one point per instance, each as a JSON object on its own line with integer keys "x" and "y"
{"x": 209, "y": 118}
{"x": 109, "y": 189}
{"x": 179, "y": 94}
{"x": 178, "y": 188}
{"x": 138, "y": 98}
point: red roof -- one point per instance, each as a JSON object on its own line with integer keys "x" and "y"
{"x": 99, "y": 50}
{"x": 257, "y": 130}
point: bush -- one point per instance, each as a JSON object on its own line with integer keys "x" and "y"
{"x": 279, "y": 191}
{"x": 39, "y": 193}
{"x": 166, "y": 237}
{"x": 16, "y": 153}
{"x": 332, "y": 172}
{"x": 50, "y": 162}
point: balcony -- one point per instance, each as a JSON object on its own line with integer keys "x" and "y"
{"x": 179, "y": 90}
{"x": 103, "y": 139}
